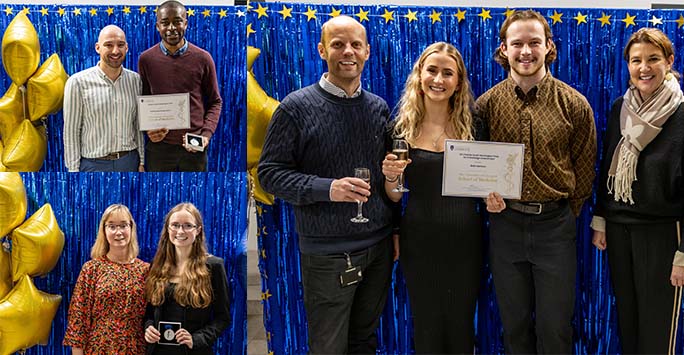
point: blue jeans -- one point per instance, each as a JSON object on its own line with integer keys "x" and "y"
{"x": 343, "y": 320}
{"x": 128, "y": 162}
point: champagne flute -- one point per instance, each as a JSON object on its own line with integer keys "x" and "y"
{"x": 401, "y": 150}
{"x": 363, "y": 174}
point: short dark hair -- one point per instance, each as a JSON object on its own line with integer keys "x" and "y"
{"x": 526, "y": 15}
{"x": 171, "y": 4}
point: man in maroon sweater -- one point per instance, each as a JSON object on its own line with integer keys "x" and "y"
{"x": 177, "y": 66}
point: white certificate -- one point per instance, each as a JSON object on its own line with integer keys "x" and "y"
{"x": 474, "y": 169}
{"x": 171, "y": 111}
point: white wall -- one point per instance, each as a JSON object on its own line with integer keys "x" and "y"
{"x": 630, "y": 4}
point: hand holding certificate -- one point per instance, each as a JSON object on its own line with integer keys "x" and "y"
{"x": 170, "y": 111}
{"x": 474, "y": 169}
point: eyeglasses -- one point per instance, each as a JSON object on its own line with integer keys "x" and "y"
{"x": 114, "y": 227}
{"x": 185, "y": 226}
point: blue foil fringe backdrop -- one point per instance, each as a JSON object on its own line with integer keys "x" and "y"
{"x": 78, "y": 201}
{"x": 589, "y": 59}
{"x": 219, "y": 30}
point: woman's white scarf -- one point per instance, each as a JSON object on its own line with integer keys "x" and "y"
{"x": 640, "y": 123}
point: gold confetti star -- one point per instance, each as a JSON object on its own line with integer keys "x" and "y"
{"x": 435, "y": 16}
{"x": 362, "y": 15}
{"x": 126, "y": 10}
{"x": 223, "y": 13}
{"x": 8, "y": 10}
{"x": 509, "y": 12}
{"x": 285, "y": 12}
{"x": 249, "y": 29}
{"x": 110, "y": 11}
{"x": 61, "y": 11}
{"x": 43, "y": 11}
{"x": 556, "y": 17}
{"x": 310, "y": 14}
{"x": 680, "y": 21}
{"x": 92, "y": 11}
{"x": 261, "y": 11}
{"x": 485, "y": 14}
{"x": 604, "y": 19}
{"x": 629, "y": 21}
{"x": 142, "y": 9}
{"x": 388, "y": 16}
{"x": 266, "y": 295}
{"x": 460, "y": 15}
{"x": 77, "y": 12}
{"x": 580, "y": 18}
{"x": 206, "y": 13}
{"x": 335, "y": 13}
{"x": 191, "y": 12}
{"x": 656, "y": 21}
{"x": 411, "y": 16}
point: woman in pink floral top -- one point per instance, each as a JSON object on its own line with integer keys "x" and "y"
{"x": 108, "y": 302}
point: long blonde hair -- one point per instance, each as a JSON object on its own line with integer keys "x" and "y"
{"x": 194, "y": 288}
{"x": 101, "y": 246}
{"x": 412, "y": 105}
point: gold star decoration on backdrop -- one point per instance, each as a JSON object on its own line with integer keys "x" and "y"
{"x": 77, "y": 12}
{"x": 629, "y": 21}
{"x": 509, "y": 12}
{"x": 285, "y": 12}
{"x": 142, "y": 9}
{"x": 261, "y": 11}
{"x": 388, "y": 16}
{"x": 411, "y": 16}
{"x": 310, "y": 14}
{"x": 556, "y": 17}
{"x": 126, "y": 10}
{"x": 680, "y": 21}
{"x": 604, "y": 19}
{"x": 25, "y": 10}
{"x": 250, "y": 30}
{"x": 43, "y": 11}
{"x": 61, "y": 11}
{"x": 485, "y": 14}
{"x": 191, "y": 12}
{"x": 206, "y": 13}
{"x": 580, "y": 18}
{"x": 362, "y": 15}
{"x": 110, "y": 11}
{"x": 335, "y": 12}
{"x": 435, "y": 16}
{"x": 8, "y": 10}
{"x": 460, "y": 15}
{"x": 92, "y": 11}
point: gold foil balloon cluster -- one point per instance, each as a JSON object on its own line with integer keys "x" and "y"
{"x": 260, "y": 108}
{"x": 26, "y": 313}
{"x": 35, "y": 92}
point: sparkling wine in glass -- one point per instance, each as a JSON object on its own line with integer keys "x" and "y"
{"x": 401, "y": 150}
{"x": 363, "y": 174}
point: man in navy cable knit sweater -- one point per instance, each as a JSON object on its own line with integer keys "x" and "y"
{"x": 317, "y": 137}
{"x": 177, "y": 66}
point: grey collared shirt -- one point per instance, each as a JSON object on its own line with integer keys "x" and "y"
{"x": 336, "y": 90}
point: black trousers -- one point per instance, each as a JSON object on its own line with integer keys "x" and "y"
{"x": 162, "y": 156}
{"x": 534, "y": 261}
{"x": 640, "y": 258}
{"x": 343, "y": 320}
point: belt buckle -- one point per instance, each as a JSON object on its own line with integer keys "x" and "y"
{"x": 116, "y": 156}
{"x": 535, "y": 204}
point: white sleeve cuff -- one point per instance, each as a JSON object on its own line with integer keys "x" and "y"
{"x": 598, "y": 224}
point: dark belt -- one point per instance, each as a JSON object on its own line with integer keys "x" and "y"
{"x": 114, "y": 156}
{"x": 535, "y": 207}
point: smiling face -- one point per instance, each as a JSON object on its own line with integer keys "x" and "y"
{"x": 117, "y": 229}
{"x": 526, "y": 48}
{"x": 172, "y": 22}
{"x": 647, "y": 66}
{"x": 112, "y": 47}
{"x": 345, "y": 49}
{"x": 183, "y": 229}
{"x": 439, "y": 77}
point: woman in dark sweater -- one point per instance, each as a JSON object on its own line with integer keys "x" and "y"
{"x": 186, "y": 289}
{"x": 640, "y": 200}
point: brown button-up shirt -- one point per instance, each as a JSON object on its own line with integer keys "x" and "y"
{"x": 556, "y": 125}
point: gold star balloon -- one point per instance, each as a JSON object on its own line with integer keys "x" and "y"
{"x": 36, "y": 244}
{"x": 26, "y": 316}
{"x": 34, "y": 93}
{"x": 12, "y": 202}
{"x": 5, "y": 272}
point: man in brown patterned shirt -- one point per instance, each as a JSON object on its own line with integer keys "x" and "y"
{"x": 532, "y": 245}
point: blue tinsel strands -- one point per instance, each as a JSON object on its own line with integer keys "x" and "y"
{"x": 71, "y": 32}
{"x": 78, "y": 201}
{"x": 589, "y": 59}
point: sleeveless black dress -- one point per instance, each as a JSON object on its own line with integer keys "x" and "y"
{"x": 441, "y": 256}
